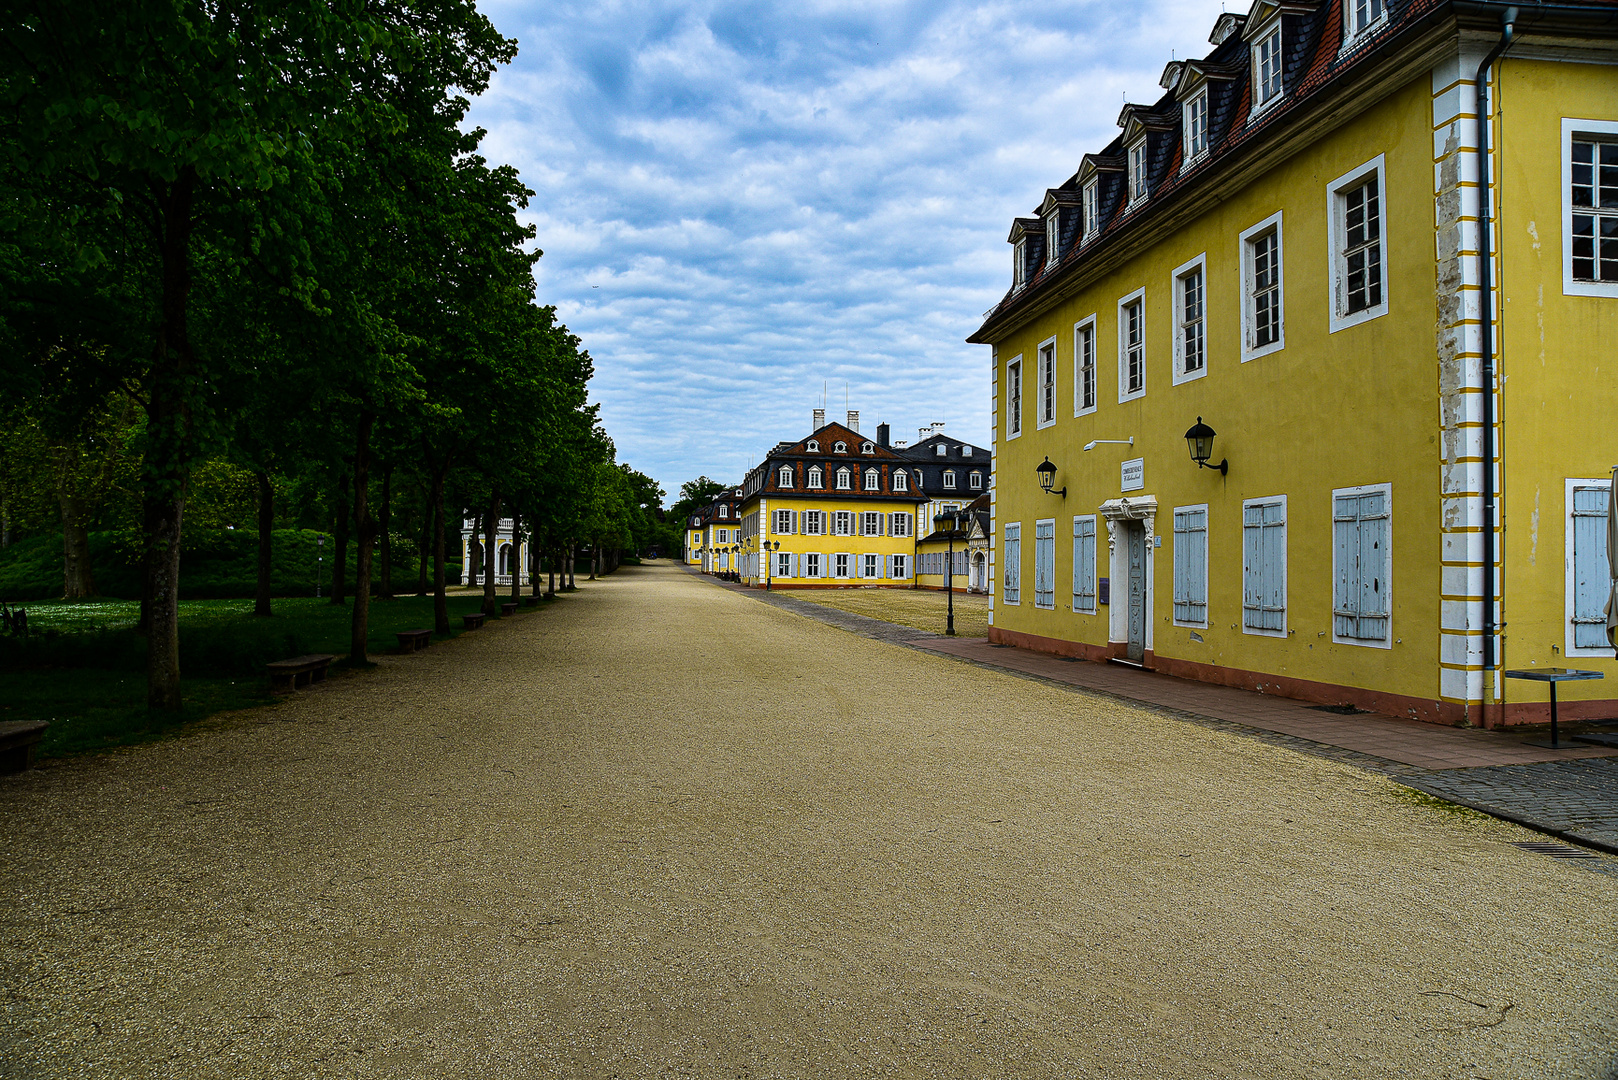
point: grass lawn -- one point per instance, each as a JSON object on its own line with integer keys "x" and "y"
{"x": 83, "y": 667}
{"x": 923, "y": 609}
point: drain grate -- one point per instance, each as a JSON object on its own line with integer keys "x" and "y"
{"x": 1555, "y": 851}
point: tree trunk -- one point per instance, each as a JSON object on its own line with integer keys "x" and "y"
{"x": 384, "y": 532}
{"x": 572, "y": 553}
{"x": 595, "y": 559}
{"x": 78, "y": 582}
{"x": 162, "y": 514}
{"x": 516, "y": 555}
{"x": 491, "y": 537}
{"x": 339, "y": 555}
{"x": 266, "y": 526}
{"x": 365, "y": 537}
{"x": 440, "y": 600}
{"x": 426, "y": 547}
{"x": 551, "y": 592}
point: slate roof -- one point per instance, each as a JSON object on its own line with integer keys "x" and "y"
{"x": 929, "y": 465}
{"x": 763, "y": 478}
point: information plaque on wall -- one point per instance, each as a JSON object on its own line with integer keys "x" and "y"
{"x": 1134, "y": 475}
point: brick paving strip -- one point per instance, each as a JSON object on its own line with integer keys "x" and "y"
{"x": 1569, "y": 794}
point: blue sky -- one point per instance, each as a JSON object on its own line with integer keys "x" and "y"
{"x": 743, "y": 203}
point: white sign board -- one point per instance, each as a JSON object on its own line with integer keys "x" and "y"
{"x": 1134, "y": 475}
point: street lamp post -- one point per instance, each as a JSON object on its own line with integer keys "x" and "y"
{"x": 949, "y": 520}
{"x": 768, "y": 547}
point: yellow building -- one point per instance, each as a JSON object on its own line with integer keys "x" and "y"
{"x": 712, "y": 531}
{"x": 835, "y": 509}
{"x": 969, "y": 548}
{"x": 1286, "y": 249}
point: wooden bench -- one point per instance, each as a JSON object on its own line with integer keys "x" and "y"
{"x": 508, "y": 608}
{"x": 473, "y": 622}
{"x": 17, "y": 741}
{"x": 289, "y": 675}
{"x": 530, "y": 601}
{"x": 411, "y": 640}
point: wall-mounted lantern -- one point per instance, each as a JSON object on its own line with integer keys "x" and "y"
{"x": 1200, "y": 442}
{"x": 1047, "y": 477}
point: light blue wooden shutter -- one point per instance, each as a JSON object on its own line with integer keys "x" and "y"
{"x": 1591, "y": 577}
{"x": 1191, "y": 566}
{"x": 1084, "y": 564}
{"x": 1045, "y": 564}
{"x": 1012, "y": 571}
{"x": 1264, "y": 567}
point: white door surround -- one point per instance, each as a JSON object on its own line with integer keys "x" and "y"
{"x": 1141, "y": 508}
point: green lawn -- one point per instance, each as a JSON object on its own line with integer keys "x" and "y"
{"x": 82, "y": 668}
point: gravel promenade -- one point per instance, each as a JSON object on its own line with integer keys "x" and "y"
{"x": 662, "y": 830}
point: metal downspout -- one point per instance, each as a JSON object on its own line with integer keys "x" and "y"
{"x": 1508, "y": 20}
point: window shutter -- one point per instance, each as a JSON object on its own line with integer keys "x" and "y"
{"x": 859, "y": 566}
{"x": 1591, "y": 578}
{"x": 1345, "y": 553}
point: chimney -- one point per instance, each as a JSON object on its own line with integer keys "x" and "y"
{"x": 854, "y": 420}
{"x": 820, "y": 419}
{"x": 882, "y": 435}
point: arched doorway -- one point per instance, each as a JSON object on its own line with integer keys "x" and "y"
{"x": 980, "y": 573}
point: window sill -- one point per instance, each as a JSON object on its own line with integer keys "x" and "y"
{"x": 1367, "y": 643}
{"x": 1345, "y": 322}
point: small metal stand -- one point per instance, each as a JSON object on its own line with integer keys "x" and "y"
{"x": 1553, "y": 676}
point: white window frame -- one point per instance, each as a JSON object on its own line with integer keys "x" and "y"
{"x": 1049, "y": 542}
{"x": 813, "y": 446}
{"x": 817, "y": 478}
{"x": 1336, "y": 211}
{"x": 838, "y": 519}
{"x": 899, "y": 524}
{"x": 1014, "y": 401}
{"x": 966, "y": 449}
{"x": 724, "y": 512}
{"x": 1194, "y": 121}
{"x": 1174, "y": 598}
{"x": 949, "y": 479}
{"x": 842, "y": 563}
{"x": 974, "y": 482}
{"x": 814, "y": 522}
{"x": 1249, "y": 310}
{"x": 901, "y": 480}
{"x": 1092, "y": 211}
{"x": 1261, "y": 104}
{"x": 867, "y": 448}
{"x": 868, "y": 560}
{"x": 845, "y": 478}
{"x": 783, "y": 558}
{"x": 1569, "y": 600}
{"x": 897, "y": 570}
{"x": 1604, "y": 131}
{"x": 1124, "y": 393}
{"x": 1086, "y": 325}
{"x": 1197, "y": 265}
{"x": 812, "y": 565}
{"x": 868, "y": 519}
{"x": 1019, "y": 276}
{"x": 778, "y": 530}
{"x": 873, "y": 480}
{"x": 1286, "y": 606}
{"x": 1011, "y": 569}
{"x": 783, "y": 477}
{"x": 1053, "y": 235}
{"x": 1093, "y": 598}
{"x": 1387, "y": 580}
{"x": 1378, "y": 11}
{"x": 1045, "y": 406}
{"x": 1136, "y": 156}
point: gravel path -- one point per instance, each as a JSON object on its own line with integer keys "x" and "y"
{"x": 662, "y": 830}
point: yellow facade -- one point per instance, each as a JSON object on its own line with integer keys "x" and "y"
{"x": 872, "y": 553}
{"x": 1382, "y": 404}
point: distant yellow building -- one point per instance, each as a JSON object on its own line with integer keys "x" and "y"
{"x": 1284, "y": 252}
{"x": 713, "y": 530}
{"x": 833, "y": 509}
{"x": 969, "y": 548}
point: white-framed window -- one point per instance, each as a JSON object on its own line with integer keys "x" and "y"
{"x": 1191, "y": 565}
{"x": 901, "y": 480}
{"x": 873, "y": 482}
{"x": 1014, "y": 397}
{"x": 1019, "y": 264}
{"x": 783, "y": 564}
{"x": 784, "y": 477}
{"x": 940, "y": 449}
{"x": 975, "y": 481}
{"x": 1137, "y": 171}
{"x": 1362, "y": 565}
{"x": 1361, "y": 16}
{"x": 1588, "y": 571}
{"x": 1084, "y": 366}
{"x": 872, "y": 565}
{"x": 871, "y": 523}
{"x": 1045, "y": 564}
{"x": 1132, "y": 346}
{"x": 1195, "y": 121}
{"x": 899, "y": 567}
{"x": 867, "y": 448}
{"x": 1589, "y": 207}
{"x": 842, "y": 523}
{"x": 1084, "y": 565}
{"x": 1011, "y": 563}
{"x": 724, "y": 511}
{"x": 949, "y": 479}
{"x": 1053, "y": 235}
{"x": 1359, "y": 237}
{"x": 1092, "y": 210}
{"x": 845, "y": 479}
{"x": 1264, "y": 566}
{"x": 966, "y": 450}
{"x": 814, "y": 523}
{"x": 784, "y": 523}
{"x": 839, "y": 447}
{"x": 816, "y": 477}
{"x": 1263, "y": 309}
{"x": 813, "y": 446}
{"x": 899, "y": 523}
{"x": 1267, "y": 68}
{"x": 1191, "y": 319}
{"x": 811, "y": 565}
{"x": 1047, "y": 384}
{"x": 840, "y": 565}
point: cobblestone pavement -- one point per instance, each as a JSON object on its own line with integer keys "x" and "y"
{"x": 659, "y": 830}
{"x": 1573, "y": 800}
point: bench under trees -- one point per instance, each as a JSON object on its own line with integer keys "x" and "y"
{"x": 298, "y": 672}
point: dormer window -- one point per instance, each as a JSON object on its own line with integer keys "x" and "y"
{"x": 724, "y": 511}
{"x": 1267, "y": 68}
{"x": 784, "y": 478}
{"x": 1196, "y": 127}
{"x": 949, "y": 479}
{"x": 901, "y": 481}
{"x": 1018, "y": 275}
{"x": 966, "y": 451}
{"x": 815, "y": 477}
{"x": 1092, "y": 209}
{"x": 1360, "y": 16}
{"x": 839, "y": 447}
{"x": 1053, "y": 231}
{"x": 941, "y": 449}
{"x": 872, "y": 481}
{"x": 845, "y": 479}
{"x": 1137, "y": 171}
{"x": 867, "y": 448}
{"x": 977, "y": 481}
{"x": 813, "y": 446}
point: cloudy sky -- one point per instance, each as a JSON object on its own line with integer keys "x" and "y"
{"x": 741, "y": 204}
